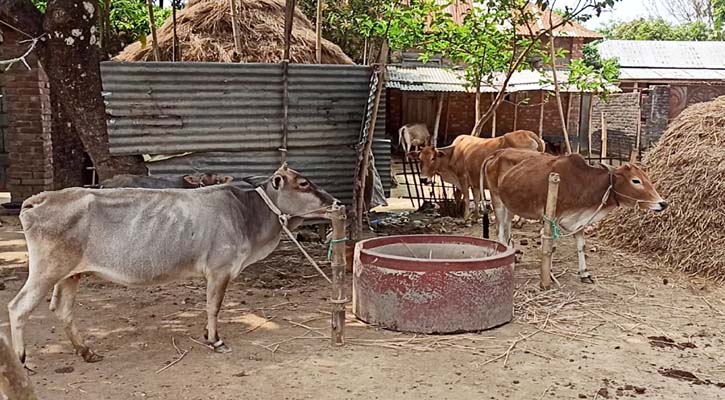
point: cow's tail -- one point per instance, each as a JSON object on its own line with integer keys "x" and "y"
{"x": 400, "y": 136}
{"x": 540, "y": 146}
{"x": 482, "y": 179}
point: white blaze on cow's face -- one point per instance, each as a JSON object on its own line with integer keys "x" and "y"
{"x": 633, "y": 187}
{"x": 297, "y": 195}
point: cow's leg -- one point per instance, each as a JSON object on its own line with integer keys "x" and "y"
{"x": 216, "y": 287}
{"x": 23, "y": 304}
{"x": 501, "y": 219}
{"x": 584, "y": 275}
{"x": 64, "y": 298}
{"x": 476, "y": 203}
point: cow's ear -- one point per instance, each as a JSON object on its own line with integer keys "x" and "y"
{"x": 278, "y": 182}
{"x": 226, "y": 179}
{"x": 440, "y": 153}
{"x": 191, "y": 180}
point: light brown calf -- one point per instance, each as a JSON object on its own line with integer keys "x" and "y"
{"x": 518, "y": 182}
{"x": 460, "y": 163}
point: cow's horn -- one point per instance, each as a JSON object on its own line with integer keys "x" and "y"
{"x": 282, "y": 167}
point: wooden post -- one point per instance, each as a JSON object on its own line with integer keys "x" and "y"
{"x": 288, "y": 20}
{"x": 235, "y": 26}
{"x": 318, "y": 32}
{"x": 338, "y": 297}
{"x": 541, "y": 115}
{"x": 493, "y": 125}
{"x": 516, "y": 108}
{"x": 367, "y": 149}
{"x": 589, "y": 122}
{"x": 439, "y": 110}
{"x": 176, "y": 50}
{"x": 564, "y": 128}
{"x": 152, "y": 24}
{"x": 14, "y": 383}
{"x": 548, "y": 240}
{"x": 638, "y": 134}
{"x": 604, "y": 138}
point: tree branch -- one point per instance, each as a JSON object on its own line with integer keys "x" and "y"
{"x": 12, "y": 61}
{"x": 23, "y": 14}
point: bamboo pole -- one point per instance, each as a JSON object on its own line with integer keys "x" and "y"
{"x": 516, "y": 108}
{"x": 638, "y": 136}
{"x": 558, "y": 95}
{"x": 338, "y": 297}
{"x": 288, "y": 20}
{"x": 14, "y": 383}
{"x": 493, "y": 125}
{"x": 236, "y": 31}
{"x": 439, "y": 110}
{"x": 541, "y": 115}
{"x": 604, "y": 138}
{"x": 318, "y": 32}
{"x": 547, "y": 240}
{"x": 367, "y": 149}
{"x": 589, "y": 124}
{"x": 152, "y": 25}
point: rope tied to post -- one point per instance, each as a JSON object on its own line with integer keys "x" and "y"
{"x": 555, "y": 229}
{"x": 332, "y": 243}
{"x": 283, "y": 220}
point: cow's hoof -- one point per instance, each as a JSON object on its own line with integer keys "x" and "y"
{"x": 90, "y": 357}
{"x": 221, "y": 347}
{"x": 587, "y": 279}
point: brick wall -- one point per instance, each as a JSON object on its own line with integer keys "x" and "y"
{"x": 43, "y": 154}
{"x": 655, "y": 112}
{"x": 459, "y": 114}
{"x": 621, "y": 110}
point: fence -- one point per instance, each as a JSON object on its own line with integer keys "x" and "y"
{"x": 228, "y": 118}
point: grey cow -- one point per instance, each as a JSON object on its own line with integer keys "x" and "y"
{"x": 157, "y": 182}
{"x": 148, "y": 236}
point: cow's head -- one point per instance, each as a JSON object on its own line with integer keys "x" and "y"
{"x": 431, "y": 160}
{"x": 631, "y": 186}
{"x": 205, "y": 179}
{"x": 298, "y": 196}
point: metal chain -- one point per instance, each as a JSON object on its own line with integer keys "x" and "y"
{"x": 369, "y": 109}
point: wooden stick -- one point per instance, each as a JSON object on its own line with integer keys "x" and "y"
{"x": 493, "y": 125}
{"x": 547, "y": 239}
{"x": 638, "y": 133}
{"x": 152, "y": 24}
{"x": 288, "y": 20}
{"x": 235, "y": 26}
{"x": 604, "y": 138}
{"x": 318, "y": 32}
{"x": 516, "y": 108}
{"x": 558, "y": 95}
{"x": 367, "y": 148}
{"x": 541, "y": 115}
{"x": 338, "y": 296}
{"x": 14, "y": 383}
{"x": 176, "y": 51}
{"x": 589, "y": 129}
{"x": 439, "y": 110}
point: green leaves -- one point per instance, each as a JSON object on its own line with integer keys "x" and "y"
{"x": 592, "y": 73}
{"x": 659, "y": 29}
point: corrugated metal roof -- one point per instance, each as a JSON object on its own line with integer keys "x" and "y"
{"x": 230, "y": 117}
{"x": 441, "y": 79}
{"x": 671, "y": 74}
{"x": 665, "y": 54}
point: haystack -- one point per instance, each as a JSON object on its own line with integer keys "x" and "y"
{"x": 204, "y": 28}
{"x": 687, "y": 166}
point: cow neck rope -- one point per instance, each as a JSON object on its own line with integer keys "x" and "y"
{"x": 283, "y": 219}
{"x": 555, "y": 225}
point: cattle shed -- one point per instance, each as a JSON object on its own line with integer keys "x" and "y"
{"x": 228, "y": 118}
{"x": 413, "y": 93}
{"x": 684, "y": 72}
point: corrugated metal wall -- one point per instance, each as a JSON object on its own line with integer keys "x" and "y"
{"x": 230, "y": 116}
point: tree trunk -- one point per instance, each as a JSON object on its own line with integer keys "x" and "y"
{"x": 478, "y": 107}
{"x": 69, "y": 55}
{"x": 14, "y": 383}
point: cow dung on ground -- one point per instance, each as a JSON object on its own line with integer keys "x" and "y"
{"x": 687, "y": 166}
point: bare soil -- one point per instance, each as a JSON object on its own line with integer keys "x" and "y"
{"x": 578, "y": 341}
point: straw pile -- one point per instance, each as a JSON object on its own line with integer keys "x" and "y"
{"x": 204, "y": 28}
{"x": 687, "y": 166}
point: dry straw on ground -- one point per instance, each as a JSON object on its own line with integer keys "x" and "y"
{"x": 204, "y": 28}
{"x": 687, "y": 167}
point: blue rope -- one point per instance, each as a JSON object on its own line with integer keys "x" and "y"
{"x": 555, "y": 230}
{"x": 332, "y": 242}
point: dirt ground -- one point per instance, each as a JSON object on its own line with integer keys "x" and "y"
{"x": 607, "y": 340}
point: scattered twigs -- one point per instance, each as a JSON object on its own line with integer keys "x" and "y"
{"x": 180, "y": 354}
{"x": 254, "y": 328}
{"x": 711, "y": 306}
{"x": 208, "y": 346}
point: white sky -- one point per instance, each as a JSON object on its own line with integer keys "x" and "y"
{"x": 624, "y": 10}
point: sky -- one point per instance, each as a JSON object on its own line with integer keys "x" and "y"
{"x": 624, "y": 10}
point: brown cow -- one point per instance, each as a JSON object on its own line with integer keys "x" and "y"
{"x": 518, "y": 182}
{"x": 460, "y": 163}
